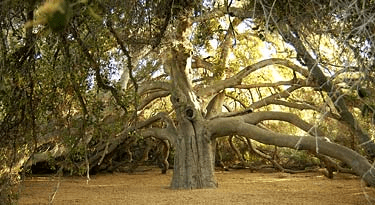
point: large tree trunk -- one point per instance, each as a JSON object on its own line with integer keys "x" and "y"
{"x": 194, "y": 158}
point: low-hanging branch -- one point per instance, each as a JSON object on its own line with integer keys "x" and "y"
{"x": 237, "y": 125}
{"x": 257, "y": 117}
{"x": 168, "y": 133}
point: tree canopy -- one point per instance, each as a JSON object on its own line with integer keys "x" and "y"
{"x": 82, "y": 80}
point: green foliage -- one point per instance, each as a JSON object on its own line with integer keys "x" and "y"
{"x": 8, "y": 186}
{"x": 297, "y": 159}
{"x": 58, "y": 19}
{"x": 55, "y": 14}
{"x": 206, "y": 31}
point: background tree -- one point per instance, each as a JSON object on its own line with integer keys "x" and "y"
{"x": 82, "y": 81}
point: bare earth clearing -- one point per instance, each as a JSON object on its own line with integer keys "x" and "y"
{"x": 235, "y": 187}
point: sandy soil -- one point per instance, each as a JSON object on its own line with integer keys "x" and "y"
{"x": 235, "y": 187}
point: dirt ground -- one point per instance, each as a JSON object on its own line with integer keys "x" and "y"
{"x": 235, "y": 187}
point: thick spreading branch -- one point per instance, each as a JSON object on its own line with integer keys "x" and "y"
{"x": 160, "y": 116}
{"x": 201, "y": 63}
{"x": 153, "y": 86}
{"x": 257, "y": 117}
{"x": 160, "y": 133}
{"x": 151, "y": 97}
{"x": 236, "y": 125}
